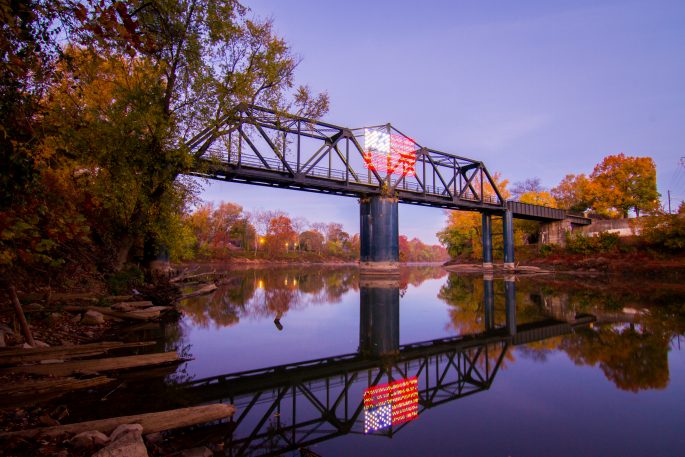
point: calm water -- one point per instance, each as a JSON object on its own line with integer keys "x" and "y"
{"x": 437, "y": 364}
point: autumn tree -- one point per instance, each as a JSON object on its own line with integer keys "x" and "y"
{"x": 280, "y": 235}
{"x": 573, "y": 193}
{"x": 625, "y": 183}
{"x": 128, "y": 111}
{"x": 311, "y": 241}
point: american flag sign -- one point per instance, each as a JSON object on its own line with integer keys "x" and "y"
{"x": 389, "y": 152}
{"x": 391, "y": 404}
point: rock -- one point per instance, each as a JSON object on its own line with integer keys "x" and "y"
{"x": 125, "y": 428}
{"x": 195, "y": 452}
{"x": 93, "y": 318}
{"x": 55, "y": 316}
{"x": 127, "y": 444}
{"x": 89, "y": 439}
{"x": 76, "y": 319}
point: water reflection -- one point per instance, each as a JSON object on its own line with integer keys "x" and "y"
{"x": 292, "y": 406}
{"x": 629, "y": 341}
{"x": 272, "y": 292}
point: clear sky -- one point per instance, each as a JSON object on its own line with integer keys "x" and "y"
{"x": 532, "y": 88}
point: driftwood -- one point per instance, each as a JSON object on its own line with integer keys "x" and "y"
{"x": 12, "y": 356}
{"x": 108, "y": 312}
{"x": 22, "y": 319}
{"x": 131, "y": 305}
{"x": 96, "y": 365}
{"x": 35, "y": 391}
{"x": 151, "y": 422}
{"x": 209, "y": 288}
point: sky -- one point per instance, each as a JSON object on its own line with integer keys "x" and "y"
{"x": 531, "y": 88}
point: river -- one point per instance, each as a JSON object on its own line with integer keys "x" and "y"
{"x": 434, "y": 363}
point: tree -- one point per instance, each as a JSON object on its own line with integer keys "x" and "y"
{"x": 311, "y": 241}
{"x": 527, "y": 186}
{"x": 280, "y": 236}
{"x": 128, "y": 110}
{"x": 573, "y": 193}
{"x": 623, "y": 183}
{"x": 223, "y": 220}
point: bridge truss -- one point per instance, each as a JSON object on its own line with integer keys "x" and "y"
{"x": 260, "y": 146}
{"x": 290, "y": 407}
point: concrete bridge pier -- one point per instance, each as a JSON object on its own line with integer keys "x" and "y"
{"x": 508, "y": 234}
{"x": 487, "y": 240}
{"x": 379, "y": 316}
{"x": 510, "y": 303}
{"x": 379, "y": 239}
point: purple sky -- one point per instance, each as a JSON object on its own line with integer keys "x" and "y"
{"x": 532, "y": 88}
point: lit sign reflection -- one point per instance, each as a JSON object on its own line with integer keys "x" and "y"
{"x": 389, "y": 152}
{"x": 391, "y": 404}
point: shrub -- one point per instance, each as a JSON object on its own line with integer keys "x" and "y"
{"x": 665, "y": 232}
{"x": 582, "y": 244}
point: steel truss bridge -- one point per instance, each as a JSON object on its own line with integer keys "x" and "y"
{"x": 288, "y": 407}
{"x": 259, "y": 146}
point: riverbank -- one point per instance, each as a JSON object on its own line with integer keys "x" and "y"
{"x": 636, "y": 264}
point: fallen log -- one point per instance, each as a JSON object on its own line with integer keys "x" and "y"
{"x": 209, "y": 288}
{"x": 34, "y": 391}
{"x": 151, "y": 422}
{"x": 97, "y": 365}
{"x": 150, "y": 313}
{"x": 131, "y": 305}
{"x": 12, "y": 356}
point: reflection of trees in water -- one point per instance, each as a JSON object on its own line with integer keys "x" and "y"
{"x": 631, "y": 346}
{"x": 632, "y": 358}
{"x": 632, "y": 352}
{"x": 416, "y": 275}
{"x": 269, "y": 293}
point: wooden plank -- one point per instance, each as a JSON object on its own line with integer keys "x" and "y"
{"x": 11, "y": 356}
{"x": 97, "y": 365}
{"x": 151, "y": 422}
{"x": 35, "y": 391}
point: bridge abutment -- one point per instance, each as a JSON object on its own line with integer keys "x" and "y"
{"x": 379, "y": 251}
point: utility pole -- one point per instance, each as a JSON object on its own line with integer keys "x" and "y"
{"x": 669, "y": 201}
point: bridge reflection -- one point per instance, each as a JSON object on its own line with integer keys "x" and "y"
{"x": 292, "y": 406}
